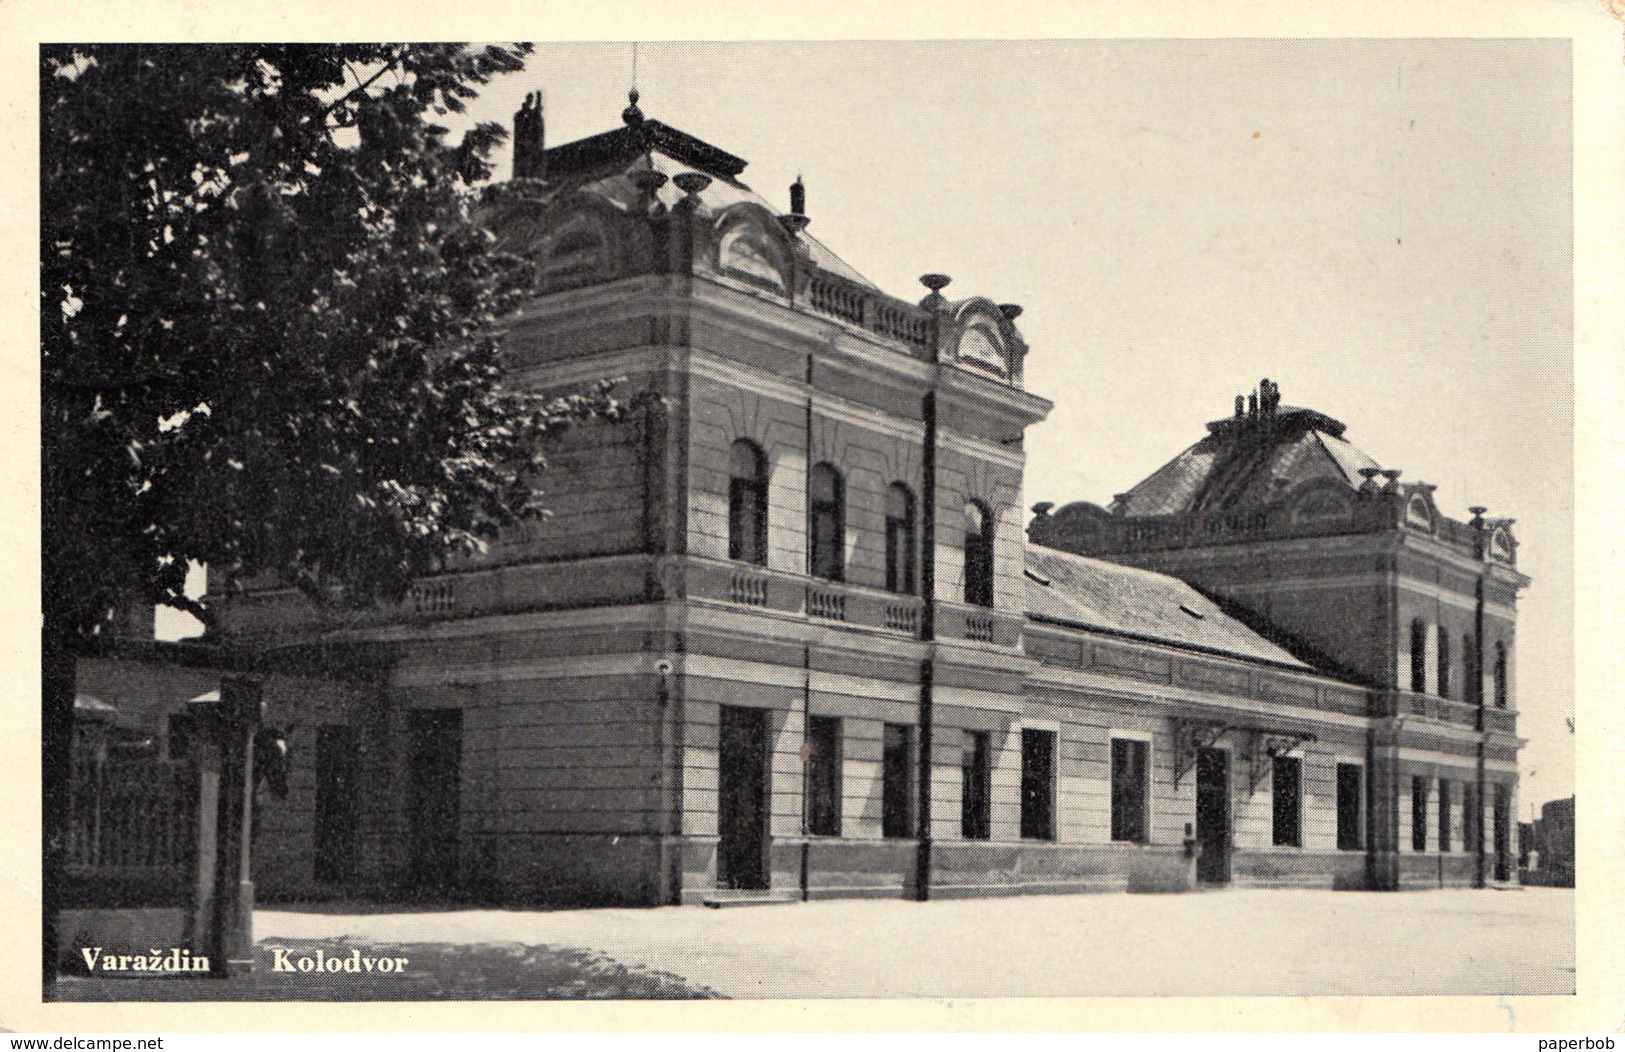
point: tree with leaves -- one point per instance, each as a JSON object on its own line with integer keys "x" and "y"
{"x": 269, "y": 335}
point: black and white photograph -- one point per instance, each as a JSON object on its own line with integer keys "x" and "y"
{"x": 793, "y": 520}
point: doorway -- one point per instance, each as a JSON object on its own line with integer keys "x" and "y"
{"x": 742, "y": 794}
{"x": 435, "y": 776}
{"x": 1213, "y": 816}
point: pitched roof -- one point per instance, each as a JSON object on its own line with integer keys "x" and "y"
{"x": 1093, "y": 593}
{"x": 1244, "y": 464}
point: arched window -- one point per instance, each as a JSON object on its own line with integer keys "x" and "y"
{"x": 826, "y": 527}
{"x": 1419, "y": 656}
{"x": 899, "y": 539}
{"x": 747, "y": 504}
{"x": 1444, "y": 664}
{"x": 978, "y": 555}
{"x": 1500, "y": 675}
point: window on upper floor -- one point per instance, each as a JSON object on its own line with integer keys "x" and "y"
{"x": 826, "y": 511}
{"x": 1500, "y": 675}
{"x": 747, "y": 503}
{"x": 899, "y": 539}
{"x": 1444, "y": 664}
{"x": 1419, "y": 656}
{"x": 978, "y": 554}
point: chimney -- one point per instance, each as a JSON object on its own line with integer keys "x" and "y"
{"x": 529, "y": 139}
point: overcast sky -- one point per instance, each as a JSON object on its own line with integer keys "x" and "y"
{"x": 1383, "y": 227}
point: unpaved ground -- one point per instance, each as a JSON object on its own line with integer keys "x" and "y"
{"x": 1275, "y": 942}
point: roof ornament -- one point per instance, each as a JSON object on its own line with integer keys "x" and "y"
{"x": 1392, "y": 475}
{"x": 690, "y": 183}
{"x": 936, "y": 301}
{"x": 1369, "y": 486}
{"x": 632, "y": 115}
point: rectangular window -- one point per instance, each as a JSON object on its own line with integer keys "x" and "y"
{"x": 1038, "y": 784}
{"x": 897, "y": 782}
{"x": 1130, "y": 790}
{"x": 1350, "y": 798}
{"x": 976, "y": 798}
{"x": 1444, "y": 815}
{"x": 1419, "y": 813}
{"x": 823, "y": 776}
{"x": 1287, "y": 790}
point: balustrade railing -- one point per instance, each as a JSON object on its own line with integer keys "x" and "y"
{"x": 826, "y": 604}
{"x": 433, "y": 597}
{"x": 901, "y": 617}
{"x": 748, "y": 589}
{"x": 871, "y": 310}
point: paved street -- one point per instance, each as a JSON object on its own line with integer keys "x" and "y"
{"x": 1278, "y": 942}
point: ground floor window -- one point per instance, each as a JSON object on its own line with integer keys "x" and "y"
{"x": 1350, "y": 797}
{"x": 1444, "y": 815}
{"x": 896, "y": 790}
{"x": 823, "y": 776}
{"x": 1419, "y": 813}
{"x": 1038, "y": 784}
{"x": 976, "y": 798}
{"x": 1130, "y": 789}
{"x": 1287, "y": 790}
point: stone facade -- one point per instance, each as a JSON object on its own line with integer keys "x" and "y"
{"x": 784, "y": 632}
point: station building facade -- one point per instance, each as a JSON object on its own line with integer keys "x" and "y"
{"x": 786, "y": 631}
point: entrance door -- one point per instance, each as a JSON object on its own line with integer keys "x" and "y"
{"x": 1503, "y": 833}
{"x": 435, "y": 774}
{"x": 742, "y": 799}
{"x": 1213, "y": 816}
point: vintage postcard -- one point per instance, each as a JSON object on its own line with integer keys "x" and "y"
{"x": 855, "y": 514}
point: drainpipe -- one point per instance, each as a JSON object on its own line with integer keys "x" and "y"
{"x": 1478, "y": 689}
{"x": 928, "y": 632}
{"x": 936, "y": 304}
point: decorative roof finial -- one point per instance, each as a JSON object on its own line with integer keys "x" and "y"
{"x": 632, "y": 115}
{"x": 936, "y": 301}
{"x": 798, "y": 198}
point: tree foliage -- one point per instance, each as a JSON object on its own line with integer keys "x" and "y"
{"x": 270, "y": 321}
